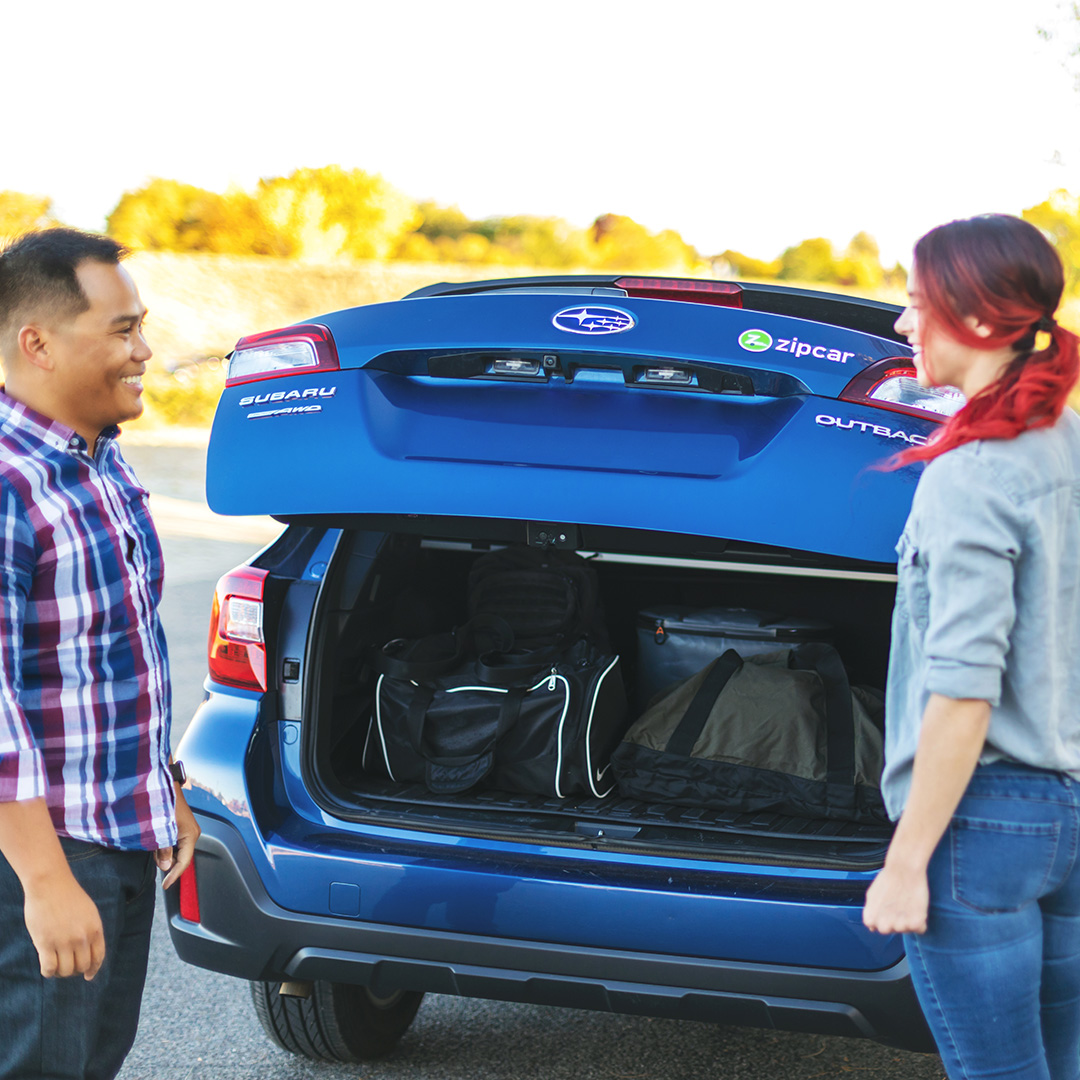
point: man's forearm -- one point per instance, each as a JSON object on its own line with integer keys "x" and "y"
{"x": 952, "y": 738}
{"x": 63, "y": 922}
{"x": 29, "y": 842}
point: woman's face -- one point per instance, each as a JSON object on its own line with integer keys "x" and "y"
{"x": 940, "y": 360}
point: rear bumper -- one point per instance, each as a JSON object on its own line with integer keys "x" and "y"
{"x": 245, "y": 934}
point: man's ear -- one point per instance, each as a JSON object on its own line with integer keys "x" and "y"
{"x": 33, "y": 345}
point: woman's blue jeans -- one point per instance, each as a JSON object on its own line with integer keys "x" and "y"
{"x": 71, "y": 1029}
{"x": 998, "y": 970}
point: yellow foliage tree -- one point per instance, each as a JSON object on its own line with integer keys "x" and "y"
{"x": 20, "y": 213}
{"x": 164, "y": 215}
{"x": 330, "y": 212}
{"x": 416, "y": 247}
{"x": 442, "y": 221}
{"x": 745, "y": 266}
{"x": 1059, "y": 218}
{"x": 167, "y": 215}
{"x": 620, "y": 243}
{"x": 539, "y": 241}
{"x": 860, "y": 264}
{"x": 810, "y": 260}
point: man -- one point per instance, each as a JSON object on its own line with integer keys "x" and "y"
{"x": 89, "y": 803}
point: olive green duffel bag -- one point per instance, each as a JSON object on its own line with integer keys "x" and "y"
{"x": 780, "y": 731}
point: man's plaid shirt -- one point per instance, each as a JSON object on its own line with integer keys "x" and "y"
{"x": 84, "y": 675}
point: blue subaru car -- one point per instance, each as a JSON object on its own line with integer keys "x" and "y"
{"x": 699, "y": 443}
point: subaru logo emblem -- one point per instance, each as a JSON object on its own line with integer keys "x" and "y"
{"x": 593, "y": 319}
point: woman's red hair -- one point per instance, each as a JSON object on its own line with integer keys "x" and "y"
{"x": 1005, "y": 273}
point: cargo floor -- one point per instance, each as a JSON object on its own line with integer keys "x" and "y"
{"x": 617, "y": 822}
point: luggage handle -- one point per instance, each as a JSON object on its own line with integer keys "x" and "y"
{"x": 462, "y": 641}
{"x": 446, "y": 774}
{"x": 522, "y": 669}
{"x": 690, "y": 727}
{"x": 839, "y": 715}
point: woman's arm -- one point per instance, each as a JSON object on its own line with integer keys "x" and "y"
{"x": 952, "y": 737}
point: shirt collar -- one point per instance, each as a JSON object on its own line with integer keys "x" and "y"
{"x": 51, "y": 432}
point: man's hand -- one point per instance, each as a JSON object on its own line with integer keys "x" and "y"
{"x": 63, "y": 921}
{"x": 897, "y": 902}
{"x": 65, "y": 927}
{"x": 187, "y": 832}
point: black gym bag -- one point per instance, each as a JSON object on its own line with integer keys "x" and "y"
{"x": 526, "y": 696}
{"x": 780, "y": 731}
{"x": 452, "y": 715}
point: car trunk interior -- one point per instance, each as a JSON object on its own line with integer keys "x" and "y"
{"x": 415, "y": 585}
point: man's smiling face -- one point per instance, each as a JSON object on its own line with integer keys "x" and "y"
{"x": 98, "y": 358}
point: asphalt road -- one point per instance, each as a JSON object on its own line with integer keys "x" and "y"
{"x": 198, "y": 1025}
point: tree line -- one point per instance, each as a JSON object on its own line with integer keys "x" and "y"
{"x": 332, "y": 213}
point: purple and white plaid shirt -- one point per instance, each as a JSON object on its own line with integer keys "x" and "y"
{"x": 84, "y": 675}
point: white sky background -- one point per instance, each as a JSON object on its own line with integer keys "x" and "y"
{"x": 750, "y": 125}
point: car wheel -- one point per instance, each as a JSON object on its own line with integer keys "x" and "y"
{"x": 336, "y": 1022}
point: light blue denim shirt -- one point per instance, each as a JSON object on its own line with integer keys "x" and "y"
{"x": 988, "y": 601}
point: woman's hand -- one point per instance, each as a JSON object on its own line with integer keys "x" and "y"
{"x": 952, "y": 737}
{"x": 897, "y": 901}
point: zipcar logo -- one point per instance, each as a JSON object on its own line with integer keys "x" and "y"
{"x": 760, "y": 341}
{"x": 592, "y": 319}
{"x": 755, "y": 340}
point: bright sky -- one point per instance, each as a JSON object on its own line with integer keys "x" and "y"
{"x": 749, "y": 125}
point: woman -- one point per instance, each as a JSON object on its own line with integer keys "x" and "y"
{"x": 983, "y": 743}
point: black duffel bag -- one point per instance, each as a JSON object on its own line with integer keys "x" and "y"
{"x": 780, "y": 731}
{"x": 540, "y": 721}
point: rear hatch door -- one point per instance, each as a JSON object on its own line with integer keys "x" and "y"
{"x": 624, "y": 412}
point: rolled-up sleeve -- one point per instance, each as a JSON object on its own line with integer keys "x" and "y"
{"x": 22, "y": 770}
{"x": 970, "y": 545}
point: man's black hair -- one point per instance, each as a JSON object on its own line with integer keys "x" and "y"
{"x": 38, "y": 279}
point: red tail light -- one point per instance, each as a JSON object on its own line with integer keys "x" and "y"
{"x": 724, "y": 293}
{"x": 890, "y": 384}
{"x": 236, "y": 651}
{"x": 189, "y": 895}
{"x": 295, "y": 349}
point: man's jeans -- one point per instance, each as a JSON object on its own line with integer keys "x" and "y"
{"x": 69, "y": 1027}
{"x": 998, "y": 971}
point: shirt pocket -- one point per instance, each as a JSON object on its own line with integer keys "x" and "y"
{"x": 912, "y": 588}
{"x": 140, "y": 526}
{"x": 1001, "y": 865}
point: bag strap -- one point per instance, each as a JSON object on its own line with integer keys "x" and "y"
{"x": 839, "y": 718}
{"x": 690, "y": 727}
{"x": 518, "y": 669}
{"x": 454, "y": 647}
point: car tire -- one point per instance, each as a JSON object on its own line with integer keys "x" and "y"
{"x": 337, "y": 1022}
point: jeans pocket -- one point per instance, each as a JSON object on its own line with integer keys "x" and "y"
{"x": 1000, "y": 866}
{"x": 79, "y": 850}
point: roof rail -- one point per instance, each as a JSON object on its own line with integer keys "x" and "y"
{"x": 838, "y": 309}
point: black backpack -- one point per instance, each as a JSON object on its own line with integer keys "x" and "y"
{"x": 548, "y": 597}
